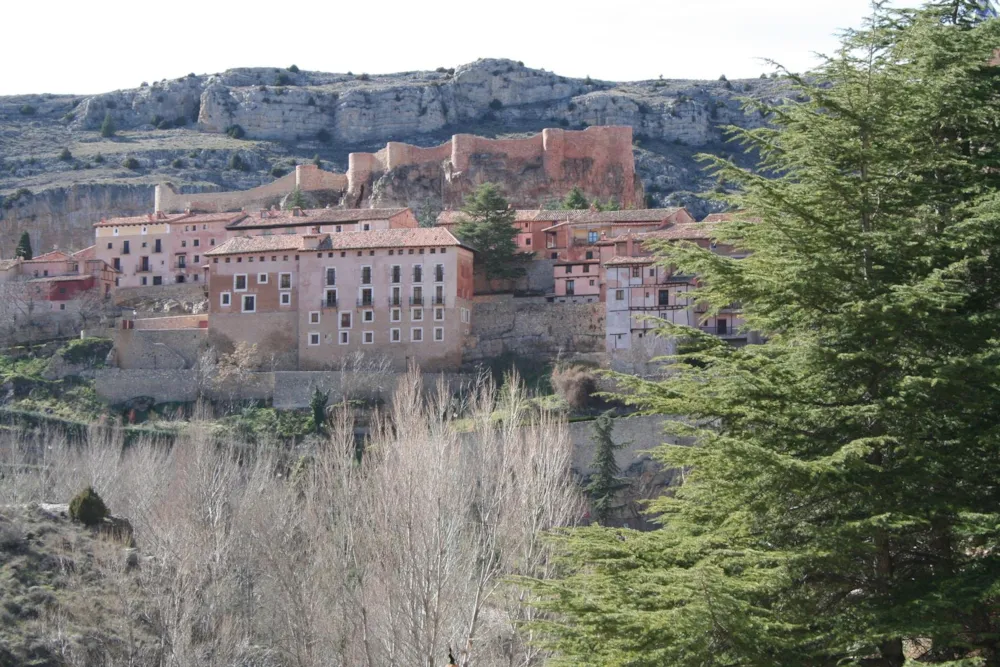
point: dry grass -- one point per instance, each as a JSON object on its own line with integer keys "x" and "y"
{"x": 575, "y": 384}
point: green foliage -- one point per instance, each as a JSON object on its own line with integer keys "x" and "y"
{"x": 324, "y": 136}
{"x": 99, "y": 159}
{"x": 108, "y": 128}
{"x": 65, "y": 155}
{"x": 235, "y": 131}
{"x": 177, "y": 163}
{"x": 130, "y": 163}
{"x": 364, "y": 77}
{"x": 282, "y": 79}
{"x": 317, "y": 161}
{"x": 238, "y": 163}
{"x": 27, "y": 110}
{"x": 278, "y": 171}
{"x": 293, "y": 69}
{"x": 262, "y": 425}
{"x": 295, "y": 200}
{"x": 91, "y": 351}
{"x": 575, "y": 200}
{"x": 491, "y": 233}
{"x": 605, "y": 481}
{"x": 840, "y": 506}
{"x": 317, "y": 405}
{"x": 496, "y": 104}
{"x": 23, "y": 249}
{"x": 88, "y": 508}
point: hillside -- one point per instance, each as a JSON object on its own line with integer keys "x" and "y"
{"x": 176, "y": 131}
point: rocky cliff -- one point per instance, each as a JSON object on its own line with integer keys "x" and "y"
{"x": 177, "y": 131}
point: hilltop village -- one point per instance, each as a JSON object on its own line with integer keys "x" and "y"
{"x": 312, "y": 287}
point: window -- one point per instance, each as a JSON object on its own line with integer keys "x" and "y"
{"x": 438, "y": 333}
{"x": 144, "y": 244}
{"x": 570, "y": 287}
{"x": 527, "y": 241}
{"x": 225, "y": 299}
{"x": 125, "y": 248}
{"x": 590, "y": 254}
{"x": 368, "y": 337}
{"x": 367, "y": 296}
{"x": 722, "y": 327}
{"x": 591, "y": 237}
{"x": 418, "y": 272}
{"x": 418, "y": 296}
{"x": 117, "y": 263}
{"x": 652, "y": 272}
{"x": 313, "y": 338}
{"x": 439, "y": 314}
{"x": 249, "y": 303}
{"x": 261, "y": 278}
{"x": 331, "y": 276}
{"x": 197, "y": 258}
{"x": 417, "y": 314}
{"x": 110, "y": 245}
{"x": 345, "y": 319}
{"x": 285, "y": 298}
{"x": 330, "y": 298}
{"x": 157, "y": 280}
{"x": 416, "y": 334}
{"x": 284, "y": 281}
{"x": 368, "y": 316}
{"x": 439, "y": 295}
{"x": 197, "y": 243}
{"x": 586, "y": 268}
{"x": 345, "y": 337}
{"x": 569, "y": 269}
{"x": 663, "y": 298}
{"x": 439, "y": 273}
{"x": 314, "y": 317}
{"x": 366, "y": 226}
{"x": 339, "y": 228}
{"x": 619, "y": 295}
{"x": 144, "y": 280}
{"x": 636, "y": 272}
{"x": 394, "y": 336}
{"x": 240, "y": 282}
{"x": 62, "y": 306}
{"x": 157, "y": 245}
{"x": 184, "y": 244}
{"x": 395, "y": 298}
{"x": 211, "y": 242}
{"x": 395, "y": 314}
{"x": 395, "y": 273}
{"x": 366, "y": 275}
{"x": 554, "y": 255}
{"x": 116, "y": 231}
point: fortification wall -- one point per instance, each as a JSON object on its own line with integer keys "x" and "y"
{"x": 308, "y": 178}
{"x": 131, "y": 296}
{"x": 532, "y": 327}
{"x": 172, "y": 322}
{"x": 159, "y": 349}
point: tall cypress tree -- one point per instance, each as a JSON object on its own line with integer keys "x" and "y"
{"x": 490, "y": 231}
{"x": 841, "y": 504}
{"x": 605, "y": 481}
{"x": 23, "y": 249}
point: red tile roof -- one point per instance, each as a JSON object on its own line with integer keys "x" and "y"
{"x": 51, "y": 256}
{"x": 85, "y": 254}
{"x": 141, "y": 219}
{"x": 314, "y": 216}
{"x": 387, "y": 238}
{"x": 623, "y": 261}
{"x": 685, "y": 232}
{"x": 229, "y": 217}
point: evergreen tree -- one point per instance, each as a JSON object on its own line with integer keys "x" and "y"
{"x": 605, "y": 481}
{"x": 318, "y": 406}
{"x": 490, "y": 231}
{"x": 575, "y": 200}
{"x": 108, "y": 128}
{"x": 295, "y": 200}
{"x": 23, "y": 249}
{"x": 840, "y": 507}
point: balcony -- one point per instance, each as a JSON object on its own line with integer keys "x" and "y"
{"x": 416, "y": 300}
{"x": 365, "y": 303}
{"x": 395, "y": 301}
{"x": 437, "y": 300}
{"x": 328, "y": 303}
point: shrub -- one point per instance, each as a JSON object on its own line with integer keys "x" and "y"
{"x": 310, "y": 102}
{"x": 282, "y": 79}
{"x": 262, "y": 89}
{"x": 324, "y": 136}
{"x": 278, "y": 172}
{"x": 235, "y": 131}
{"x": 65, "y": 155}
{"x": 177, "y": 163}
{"x": 317, "y": 161}
{"x": 588, "y": 81}
{"x": 108, "y": 126}
{"x": 110, "y": 104}
{"x": 130, "y": 163}
{"x": 575, "y": 384}
{"x": 69, "y": 116}
{"x": 722, "y": 77}
{"x": 87, "y": 507}
{"x": 28, "y": 110}
{"x": 144, "y": 84}
{"x": 192, "y": 75}
{"x": 364, "y": 77}
{"x": 293, "y": 69}
{"x": 238, "y": 163}
{"x": 564, "y": 122}
{"x": 99, "y": 159}
{"x": 496, "y": 104}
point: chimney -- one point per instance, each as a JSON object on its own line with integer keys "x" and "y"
{"x": 311, "y": 241}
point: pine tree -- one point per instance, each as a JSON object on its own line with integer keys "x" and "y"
{"x": 605, "y": 481}
{"x": 575, "y": 200}
{"x": 490, "y": 231}
{"x": 108, "y": 128}
{"x": 23, "y": 249}
{"x": 295, "y": 200}
{"x": 317, "y": 403}
{"x": 840, "y": 506}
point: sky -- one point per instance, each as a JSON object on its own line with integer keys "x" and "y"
{"x": 84, "y": 48}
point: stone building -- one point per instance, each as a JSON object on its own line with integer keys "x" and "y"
{"x": 308, "y": 301}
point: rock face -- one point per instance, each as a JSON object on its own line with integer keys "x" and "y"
{"x": 174, "y": 131}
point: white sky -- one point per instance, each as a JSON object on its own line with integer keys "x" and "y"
{"x": 68, "y": 46}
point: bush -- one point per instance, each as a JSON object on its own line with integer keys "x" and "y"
{"x": 317, "y": 161}
{"x": 238, "y": 163}
{"x": 99, "y": 159}
{"x": 496, "y": 104}
{"x": 177, "y": 163}
{"x": 92, "y": 351}
{"x": 108, "y": 126}
{"x": 130, "y": 163}
{"x": 575, "y": 384}
{"x": 282, "y": 79}
{"x": 324, "y": 136}
{"x": 310, "y": 102}
{"x": 88, "y": 508}
{"x": 293, "y": 69}
{"x": 65, "y": 155}
{"x": 278, "y": 172}
{"x": 69, "y": 116}
{"x": 235, "y": 131}
{"x": 28, "y": 110}
{"x": 364, "y": 77}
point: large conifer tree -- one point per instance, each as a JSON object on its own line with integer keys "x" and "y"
{"x": 842, "y": 506}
